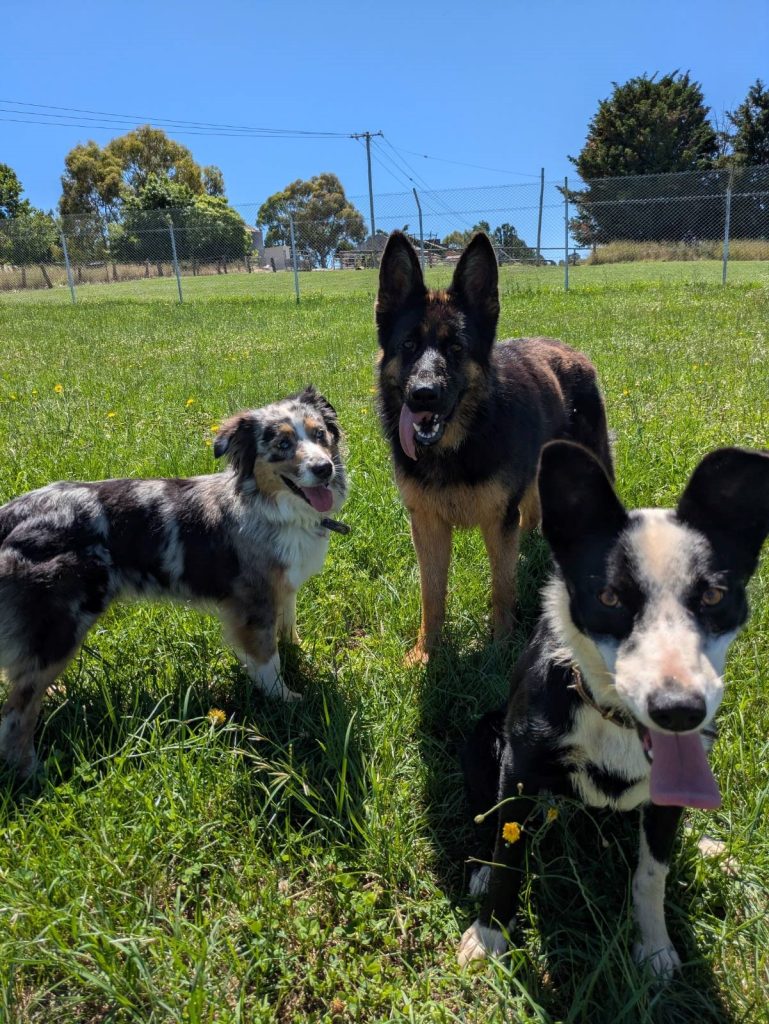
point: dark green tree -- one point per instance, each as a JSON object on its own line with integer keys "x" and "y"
{"x": 750, "y": 121}
{"x": 648, "y": 126}
{"x": 11, "y": 203}
{"x": 748, "y": 158}
{"x": 510, "y": 247}
{"x": 27, "y": 235}
{"x": 323, "y": 217}
{"x": 206, "y": 228}
{"x": 459, "y": 239}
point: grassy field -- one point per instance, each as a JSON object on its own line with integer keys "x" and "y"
{"x": 305, "y": 864}
{"x": 347, "y": 282}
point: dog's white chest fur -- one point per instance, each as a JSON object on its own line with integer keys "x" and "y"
{"x": 302, "y": 550}
{"x": 612, "y": 750}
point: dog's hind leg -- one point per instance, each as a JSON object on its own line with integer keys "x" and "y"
{"x": 27, "y": 687}
{"x": 658, "y": 830}
{"x": 501, "y": 539}
{"x": 432, "y": 542}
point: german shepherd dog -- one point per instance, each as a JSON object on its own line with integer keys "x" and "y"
{"x": 467, "y": 419}
{"x": 243, "y": 540}
{"x": 612, "y": 702}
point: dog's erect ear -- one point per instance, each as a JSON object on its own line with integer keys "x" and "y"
{"x": 475, "y": 284}
{"x": 577, "y": 499}
{"x": 727, "y": 499}
{"x": 400, "y": 277}
{"x": 236, "y": 438}
{"x": 313, "y": 397}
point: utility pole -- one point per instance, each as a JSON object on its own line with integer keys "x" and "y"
{"x": 368, "y": 136}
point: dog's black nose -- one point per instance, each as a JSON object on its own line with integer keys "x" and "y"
{"x": 322, "y": 470}
{"x": 676, "y": 708}
{"x": 424, "y": 396}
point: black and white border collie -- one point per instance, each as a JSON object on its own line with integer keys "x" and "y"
{"x": 243, "y": 540}
{"x": 612, "y": 702}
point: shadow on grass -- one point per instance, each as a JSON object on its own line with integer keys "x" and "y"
{"x": 577, "y": 917}
{"x": 303, "y": 759}
{"x": 458, "y": 687}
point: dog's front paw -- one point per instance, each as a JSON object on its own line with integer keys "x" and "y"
{"x": 418, "y": 655}
{"x": 663, "y": 963}
{"x": 478, "y": 942}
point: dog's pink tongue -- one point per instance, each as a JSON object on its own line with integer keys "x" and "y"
{"x": 681, "y": 775}
{"x": 406, "y": 426}
{"x": 321, "y": 498}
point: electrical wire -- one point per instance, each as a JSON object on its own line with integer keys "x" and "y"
{"x": 115, "y": 120}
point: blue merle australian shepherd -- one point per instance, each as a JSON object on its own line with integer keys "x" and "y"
{"x": 612, "y": 702}
{"x": 243, "y": 541}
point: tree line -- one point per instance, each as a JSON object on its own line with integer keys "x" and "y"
{"x": 123, "y": 196}
{"x": 657, "y": 126}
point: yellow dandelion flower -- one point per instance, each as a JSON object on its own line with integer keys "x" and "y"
{"x": 511, "y": 831}
{"x": 110, "y": 414}
{"x": 58, "y": 388}
{"x": 189, "y": 402}
{"x": 552, "y": 814}
{"x": 14, "y": 397}
{"x": 34, "y": 391}
{"x": 626, "y": 392}
{"x": 214, "y": 427}
{"x": 207, "y": 442}
{"x": 216, "y": 716}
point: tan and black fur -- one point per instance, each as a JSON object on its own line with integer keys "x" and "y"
{"x": 487, "y": 410}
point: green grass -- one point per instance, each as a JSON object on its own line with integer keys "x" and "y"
{"x": 305, "y": 864}
{"x": 347, "y": 282}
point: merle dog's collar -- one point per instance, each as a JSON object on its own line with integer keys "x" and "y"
{"x": 621, "y": 718}
{"x": 335, "y": 525}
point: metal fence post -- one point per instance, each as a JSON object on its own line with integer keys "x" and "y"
{"x": 539, "y": 218}
{"x": 176, "y": 261}
{"x": 566, "y": 234}
{"x": 727, "y": 224}
{"x": 293, "y": 257}
{"x": 421, "y": 232}
{"x": 70, "y": 280}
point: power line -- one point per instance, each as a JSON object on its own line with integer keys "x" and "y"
{"x": 114, "y": 120}
{"x": 462, "y": 163}
{"x": 426, "y": 195}
{"x": 434, "y": 197}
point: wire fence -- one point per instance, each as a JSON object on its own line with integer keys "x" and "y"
{"x": 710, "y": 215}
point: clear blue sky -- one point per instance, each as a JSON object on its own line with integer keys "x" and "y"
{"x": 505, "y": 84}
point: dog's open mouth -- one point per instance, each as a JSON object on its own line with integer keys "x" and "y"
{"x": 423, "y": 428}
{"x": 680, "y": 773}
{"x": 321, "y": 498}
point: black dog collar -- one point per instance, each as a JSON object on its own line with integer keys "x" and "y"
{"x": 336, "y": 526}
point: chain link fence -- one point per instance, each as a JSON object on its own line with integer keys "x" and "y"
{"x": 714, "y": 215}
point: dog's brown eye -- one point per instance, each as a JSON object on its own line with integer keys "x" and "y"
{"x": 712, "y": 596}
{"x": 408, "y": 345}
{"x": 609, "y": 597}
